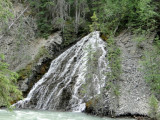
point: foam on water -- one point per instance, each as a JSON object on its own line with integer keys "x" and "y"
{"x": 47, "y": 115}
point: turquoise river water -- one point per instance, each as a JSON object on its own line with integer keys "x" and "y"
{"x": 48, "y": 115}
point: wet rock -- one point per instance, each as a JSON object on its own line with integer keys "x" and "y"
{"x": 40, "y": 64}
{"x": 65, "y": 86}
{"x": 62, "y": 87}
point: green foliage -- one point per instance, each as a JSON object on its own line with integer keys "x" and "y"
{"x": 94, "y": 26}
{"x": 91, "y": 66}
{"x": 139, "y": 38}
{"x": 25, "y": 72}
{"x": 153, "y": 113}
{"x": 91, "y": 69}
{"x": 5, "y": 10}
{"x": 110, "y": 16}
{"x": 114, "y": 57}
{"x": 115, "y": 64}
{"x": 113, "y": 87}
{"x": 120, "y": 14}
{"x": 151, "y": 69}
{"x": 42, "y": 52}
{"x": 55, "y": 15}
{"x": 145, "y": 15}
{"x": 43, "y": 19}
{"x": 8, "y": 90}
{"x": 44, "y": 27}
{"x": 20, "y": 37}
{"x": 69, "y": 35}
{"x": 5, "y": 14}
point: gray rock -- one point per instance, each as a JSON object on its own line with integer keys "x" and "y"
{"x": 23, "y": 85}
{"x": 134, "y": 91}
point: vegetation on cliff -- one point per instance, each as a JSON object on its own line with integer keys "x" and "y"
{"x": 75, "y": 18}
{"x": 9, "y": 92}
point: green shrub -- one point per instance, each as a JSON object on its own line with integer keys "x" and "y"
{"x": 95, "y": 25}
{"x": 151, "y": 66}
{"x": 121, "y": 14}
{"x": 42, "y": 52}
{"x": 43, "y": 19}
{"x": 8, "y": 90}
{"x": 115, "y": 65}
{"x": 153, "y": 113}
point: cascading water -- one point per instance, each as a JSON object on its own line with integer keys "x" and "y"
{"x": 66, "y": 86}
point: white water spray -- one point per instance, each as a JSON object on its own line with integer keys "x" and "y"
{"x": 60, "y": 87}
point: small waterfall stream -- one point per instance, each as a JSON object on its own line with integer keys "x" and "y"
{"x": 65, "y": 85}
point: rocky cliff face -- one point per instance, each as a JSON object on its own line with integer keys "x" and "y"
{"x": 18, "y": 42}
{"x": 67, "y": 85}
{"x": 63, "y": 86}
{"x": 26, "y": 54}
{"x": 44, "y": 51}
{"x": 32, "y": 57}
{"x": 134, "y": 91}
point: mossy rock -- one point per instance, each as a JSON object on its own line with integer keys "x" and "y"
{"x": 92, "y": 102}
{"x": 42, "y": 52}
{"x": 25, "y": 72}
{"x": 104, "y": 37}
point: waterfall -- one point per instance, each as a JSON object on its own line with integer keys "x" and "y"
{"x": 62, "y": 87}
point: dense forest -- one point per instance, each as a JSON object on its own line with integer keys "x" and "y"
{"x": 77, "y": 18}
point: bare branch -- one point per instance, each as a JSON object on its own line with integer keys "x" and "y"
{"x": 15, "y": 20}
{"x": 18, "y": 17}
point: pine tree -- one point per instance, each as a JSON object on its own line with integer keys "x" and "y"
{"x": 8, "y": 90}
{"x": 95, "y": 25}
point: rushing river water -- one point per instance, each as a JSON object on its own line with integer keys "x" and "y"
{"x": 48, "y": 115}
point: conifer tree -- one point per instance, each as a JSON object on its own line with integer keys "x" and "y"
{"x": 95, "y": 25}
{"x": 8, "y": 90}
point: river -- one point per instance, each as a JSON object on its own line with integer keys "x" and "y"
{"x": 48, "y": 115}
